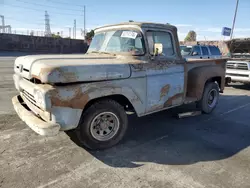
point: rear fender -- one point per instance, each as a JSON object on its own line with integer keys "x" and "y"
{"x": 198, "y": 77}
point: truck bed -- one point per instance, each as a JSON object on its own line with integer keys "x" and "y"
{"x": 199, "y": 71}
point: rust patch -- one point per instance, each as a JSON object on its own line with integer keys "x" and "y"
{"x": 156, "y": 107}
{"x": 46, "y": 71}
{"x": 164, "y": 91}
{"x": 170, "y": 100}
{"x": 157, "y": 64}
{"x": 79, "y": 100}
{"x": 195, "y": 86}
{"x": 67, "y": 76}
{"x": 35, "y": 76}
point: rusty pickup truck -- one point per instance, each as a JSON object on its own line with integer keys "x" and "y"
{"x": 128, "y": 67}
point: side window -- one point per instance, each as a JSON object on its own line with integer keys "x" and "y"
{"x": 197, "y": 49}
{"x": 214, "y": 50}
{"x": 204, "y": 50}
{"x": 164, "y": 38}
{"x": 138, "y": 43}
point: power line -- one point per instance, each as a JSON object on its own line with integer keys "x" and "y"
{"x": 33, "y": 23}
{"x": 47, "y": 5}
{"x": 23, "y": 21}
{"x": 42, "y": 10}
{"x": 65, "y": 3}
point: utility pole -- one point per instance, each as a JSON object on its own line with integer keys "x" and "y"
{"x": 69, "y": 32}
{"x": 84, "y": 22}
{"x": 47, "y": 31}
{"x": 74, "y": 29}
{"x": 3, "y": 24}
{"x": 235, "y": 13}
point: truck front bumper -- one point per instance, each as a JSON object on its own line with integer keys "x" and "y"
{"x": 34, "y": 122}
{"x": 242, "y": 76}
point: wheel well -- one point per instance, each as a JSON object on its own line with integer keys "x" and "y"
{"x": 216, "y": 79}
{"x": 121, "y": 99}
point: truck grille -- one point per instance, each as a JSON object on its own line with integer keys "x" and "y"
{"x": 30, "y": 98}
{"x": 238, "y": 66}
{"x": 241, "y": 75}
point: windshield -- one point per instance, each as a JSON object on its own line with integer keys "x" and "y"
{"x": 186, "y": 50}
{"x": 117, "y": 41}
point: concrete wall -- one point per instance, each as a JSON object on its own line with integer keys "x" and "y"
{"x": 24, "y": 43}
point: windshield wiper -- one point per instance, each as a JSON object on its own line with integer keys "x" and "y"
{"x": 108, "y": 53}
{"x": 94, "y": 52}
{"x": 101, "y": 52}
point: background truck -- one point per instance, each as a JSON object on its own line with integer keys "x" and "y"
{"x": 238, "y": 66}
{"x": 128, "y": 66}
{"x": 200, "y": 52}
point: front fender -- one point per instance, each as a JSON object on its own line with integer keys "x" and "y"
{"x": 78, "y": 96}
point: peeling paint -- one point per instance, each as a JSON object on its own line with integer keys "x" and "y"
{"x": 174, "y": 100}
{"x": 78, "y": 100}
{"x": 164, "y": 91}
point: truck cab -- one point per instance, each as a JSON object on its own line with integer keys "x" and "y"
{"x": 134, "y": 66}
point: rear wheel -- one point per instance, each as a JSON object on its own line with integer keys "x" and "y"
{"x": 210, "y": 98}
{"x": 102, "y": 125}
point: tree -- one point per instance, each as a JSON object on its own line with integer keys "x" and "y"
{"x": 56, "y": 35}
{"x": 89, "y": 35}
{"x": 191, "y": 36}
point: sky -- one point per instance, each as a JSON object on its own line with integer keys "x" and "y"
{"x": 206, "y": 18}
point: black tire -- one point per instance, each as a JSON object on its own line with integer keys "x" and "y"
{"x": 84, "y": 134}
{"x": 203, "y": 104}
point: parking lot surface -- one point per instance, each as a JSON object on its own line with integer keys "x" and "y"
{"x": 159, "y": 150}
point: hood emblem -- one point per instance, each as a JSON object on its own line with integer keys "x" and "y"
{"x": 235, "y": 65}
{"x": 21, "y": 68}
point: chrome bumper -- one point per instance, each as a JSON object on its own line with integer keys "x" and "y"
{"x": 35, "y": 123}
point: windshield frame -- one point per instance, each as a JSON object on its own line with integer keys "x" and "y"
{"x": 122, "y": 53}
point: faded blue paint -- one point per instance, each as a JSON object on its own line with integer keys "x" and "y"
{"x": 170, "y": 77}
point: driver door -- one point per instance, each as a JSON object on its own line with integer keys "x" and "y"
{"x": 164, "y": 72}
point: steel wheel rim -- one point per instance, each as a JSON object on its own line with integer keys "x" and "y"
{"x": 104, "y": 126}
{"x": 212, "y": 98}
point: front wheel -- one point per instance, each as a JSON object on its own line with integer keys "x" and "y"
{"x": 102, "y": 125}
{"x": 210, "y": 98}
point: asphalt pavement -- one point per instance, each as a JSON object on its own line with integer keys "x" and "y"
{"x": 159, "y": 150}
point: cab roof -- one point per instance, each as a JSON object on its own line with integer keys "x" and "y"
{"x": 141, "y": 24}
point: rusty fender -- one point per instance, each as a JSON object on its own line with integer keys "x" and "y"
{"x": 197, "y": 78}
{"x": 78, "y": 96}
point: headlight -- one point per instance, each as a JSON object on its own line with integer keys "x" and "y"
{"x": 39, "y": 98}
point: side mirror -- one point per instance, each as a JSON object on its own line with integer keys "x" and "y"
{"x": 157, "y": 49}
{"x": 195, "y": 53}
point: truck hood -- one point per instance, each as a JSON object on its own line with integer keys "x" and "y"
{"x": 239, "y": 48}
{"x": 72, "y": 68}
